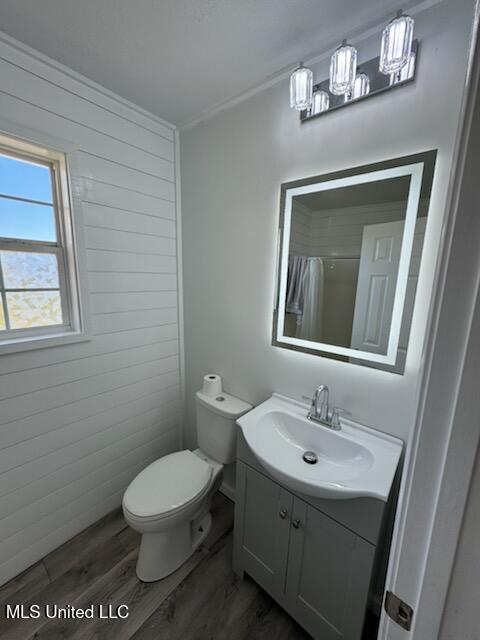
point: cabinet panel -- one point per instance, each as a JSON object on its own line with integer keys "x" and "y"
{"x": 329, "y": 569}
{"x": 262, "y": 529}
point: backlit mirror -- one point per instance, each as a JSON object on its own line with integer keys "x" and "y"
{"x": 349, "y": 259}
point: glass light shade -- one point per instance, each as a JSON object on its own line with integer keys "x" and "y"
{"x": 320, "y": 102}
{"x": 343, "y": 67}
{"x": 361, "y": 86}
{"x": 396, "y": 46}
{"x": 406, "y": 72}
{"x": 301, "y": 85}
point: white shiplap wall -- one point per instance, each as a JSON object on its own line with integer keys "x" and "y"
{"x": 78, "y": 422}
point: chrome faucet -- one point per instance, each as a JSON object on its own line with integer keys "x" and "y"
{"x": 320, "y": 410}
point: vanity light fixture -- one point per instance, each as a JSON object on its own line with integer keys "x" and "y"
{"x": 320, "y": 102}
{"x": 397, "y": 38}
{"x": 343, "y": 68}
{"x": 394, "y": 67}
{"x": 406, "y": 72}
{"x": 301, "y": 85}
{"x": 361, "y": 87}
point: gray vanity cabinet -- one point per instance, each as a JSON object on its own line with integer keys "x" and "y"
{"x": 317, "y": 567}
{"x": 265, "y": 523}
{"x": 328, "y": 575}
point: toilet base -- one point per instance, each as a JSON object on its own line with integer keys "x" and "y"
{"x": 164, "y": 552}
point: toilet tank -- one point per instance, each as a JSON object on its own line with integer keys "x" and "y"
{"x": 216, "y": 428}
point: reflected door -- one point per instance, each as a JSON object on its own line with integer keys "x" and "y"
{"x": 377, "y": 279}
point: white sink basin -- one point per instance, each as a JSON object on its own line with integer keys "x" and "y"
{"x": 353, "y": 462}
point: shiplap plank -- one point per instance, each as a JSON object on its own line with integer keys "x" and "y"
{"x": 54, "y": 419}
{"x": 112, "y": 218}
{"x": 33, "y": 459}
{"x": 110, "y": 195}
{"x": 29, "y": 87}
{"x": 86, "y": 139}
{"x": 38, "y": 401}
{"x": 77, "y": 515}
{"x": 104, "y": 478}
{"x": 120, "y": 262}
{"x": 151, "y": 166}
{"x": 19, "y": 384}
{"x": 131, "y": 301}
{"x": 151, "y": 283}
{"x": 70, "y": 481}
{"x": 106, "y": 343}
{"x": 124, "y": 321}
{"x": 96, "y": 168}
{"x": 93, "y": 452}
{"x": 130, "y": 242}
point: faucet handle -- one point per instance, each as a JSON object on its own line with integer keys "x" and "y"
{"x": 335, "y": 419}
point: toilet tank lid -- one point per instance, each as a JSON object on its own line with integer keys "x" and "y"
{"x": 224, "y": 404}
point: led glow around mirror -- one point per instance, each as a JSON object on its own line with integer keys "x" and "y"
{"x": 349, "y": 261}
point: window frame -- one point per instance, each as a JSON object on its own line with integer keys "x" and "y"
{"x": 74, "y": 327}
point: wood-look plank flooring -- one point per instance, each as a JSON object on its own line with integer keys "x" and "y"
{"x": 203, "y": 600}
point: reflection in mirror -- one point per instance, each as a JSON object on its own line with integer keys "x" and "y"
{"x": 350, "y": 260}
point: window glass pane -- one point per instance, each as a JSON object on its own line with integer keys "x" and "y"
{"x": 34, "y": 309}
{"x": 25, "y": 270}
{"x": 2, "y": 317}
{"x": 27, "y": 221}
{"x": 25, "y": 179}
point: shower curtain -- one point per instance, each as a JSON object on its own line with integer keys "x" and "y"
{"x": 313, "y": 282}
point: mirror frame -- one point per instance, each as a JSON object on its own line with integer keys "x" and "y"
{"x": 408, "y": 165}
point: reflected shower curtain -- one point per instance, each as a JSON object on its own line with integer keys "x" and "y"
{"x": 313, "y": 283}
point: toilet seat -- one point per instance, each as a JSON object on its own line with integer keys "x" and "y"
{"x": 167, "y": 486}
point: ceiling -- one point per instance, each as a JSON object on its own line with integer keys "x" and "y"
{"x": 181, "y": 58}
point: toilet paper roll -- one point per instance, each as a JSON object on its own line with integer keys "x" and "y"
{"x": 212, "y": 384}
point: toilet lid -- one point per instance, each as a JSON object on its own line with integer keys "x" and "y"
{"x": 167, "y": 484}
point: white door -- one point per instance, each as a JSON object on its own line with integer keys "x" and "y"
{"x": 412, "y": 282}
{"x": 441, "y": 449}
{"x": 377, "y": 280}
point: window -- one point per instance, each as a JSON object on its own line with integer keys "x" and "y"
{"x": 38, "y": 280}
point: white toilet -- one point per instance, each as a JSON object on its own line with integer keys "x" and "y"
{"x": 169, "y": 501}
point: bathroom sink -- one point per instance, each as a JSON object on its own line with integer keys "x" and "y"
{"x": 354, "y": 462}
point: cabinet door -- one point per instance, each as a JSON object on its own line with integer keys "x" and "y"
{"x": 329, "y": 572}
{"x": 262, "y": 528}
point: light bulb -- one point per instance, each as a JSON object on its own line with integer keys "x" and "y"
{"x": 320, "y": 102}
{"x": 406, "y": 72}
{"x": 343, "y": 67}
{"x": 301, "y": 84}
{"x": 361, "y": 86}
{"x": 396, "y": 46}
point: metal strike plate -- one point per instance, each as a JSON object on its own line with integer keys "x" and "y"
{"x": 398, "y": 610}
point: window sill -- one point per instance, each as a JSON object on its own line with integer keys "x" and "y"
{"x": 18, "y": 345}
